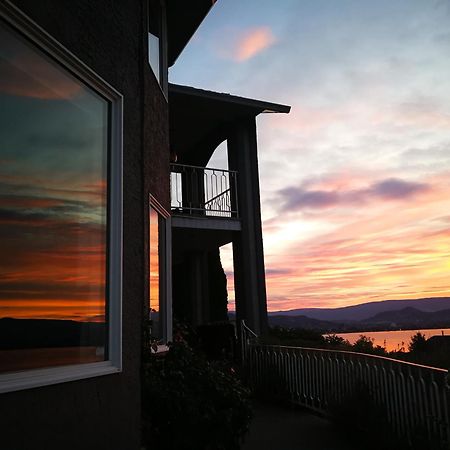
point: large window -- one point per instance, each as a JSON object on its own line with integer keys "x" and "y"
{"x": 160, "y": 283}
{"x": 60, "y": 212}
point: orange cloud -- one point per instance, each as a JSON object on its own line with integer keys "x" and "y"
{"x": 244, "y": 45}
{"x": 253, "y": 42}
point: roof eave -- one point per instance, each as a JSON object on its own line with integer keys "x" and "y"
{"x": 257, "y": 105}
{"x": 183, "y": 20}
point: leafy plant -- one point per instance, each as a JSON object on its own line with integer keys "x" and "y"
{"x": 364, "y": 344}
{"x": 418, "y": 343}
{"x": 190, "y": 403}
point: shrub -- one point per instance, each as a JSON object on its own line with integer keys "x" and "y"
{"x": 418, "y": 343}
{"x": 190, "y": 403}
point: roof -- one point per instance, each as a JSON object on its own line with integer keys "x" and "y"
{"x": 200, "y": 120}
{"x": 257, "y": 106}
{"x": 183, "y": 19}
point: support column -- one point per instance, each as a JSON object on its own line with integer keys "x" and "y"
{"x": 199, "y": 287}
{"x": 249, "y": 274}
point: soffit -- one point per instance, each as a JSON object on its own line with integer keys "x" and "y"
{"x": 200, "y": 120}
{"x": 183, "y": 19}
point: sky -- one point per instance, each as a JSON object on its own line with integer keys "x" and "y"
{"x": 355, "y": 181}
{"x": 53, "y": 153}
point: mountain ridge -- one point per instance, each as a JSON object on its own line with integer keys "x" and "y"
{"x": 364, "y": 311}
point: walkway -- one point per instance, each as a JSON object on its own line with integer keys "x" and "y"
{"x": 281, "y": 428}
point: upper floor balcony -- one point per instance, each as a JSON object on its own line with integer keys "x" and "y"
{"x": 203, "y": 192}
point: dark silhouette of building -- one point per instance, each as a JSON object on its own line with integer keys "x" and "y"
{"x": 117, "y": 55}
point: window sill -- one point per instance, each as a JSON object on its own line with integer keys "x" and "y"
{"x": 54, "y": 375}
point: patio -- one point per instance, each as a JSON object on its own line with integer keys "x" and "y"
{"x": 275, "y": 427}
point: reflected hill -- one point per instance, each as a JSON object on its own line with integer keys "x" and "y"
{"x": 44, "y": 333}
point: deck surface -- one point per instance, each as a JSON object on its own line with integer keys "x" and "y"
{"x": 282, "y": 428}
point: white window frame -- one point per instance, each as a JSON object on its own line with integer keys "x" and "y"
{"x": 165, "y": 269}
{"x": 163, "y": 77}
{"x": 52, "y": 375}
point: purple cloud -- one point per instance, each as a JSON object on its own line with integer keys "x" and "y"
{"x": 298, "y": 198}
{"x": 394, "y": 188}
{"x": 275, "y": 272}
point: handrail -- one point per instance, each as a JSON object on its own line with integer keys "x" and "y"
{"x": 364, "y": 355}
{"x": 217, "y": 196}
{"x": 248, "y": 329}
{"x": 202, "y": 168}
{"x": 247, "y": 336}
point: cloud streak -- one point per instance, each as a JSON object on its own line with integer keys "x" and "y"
{"x": 298, "y": 198}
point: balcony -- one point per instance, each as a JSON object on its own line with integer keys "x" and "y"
{"x": 203, "y": 192}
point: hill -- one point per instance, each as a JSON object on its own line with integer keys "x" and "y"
{"x": 365, "y": 311}
{"x": 36, "y": 333}
{"x": 303, "y": 322}
{"x": 410, "y": 317}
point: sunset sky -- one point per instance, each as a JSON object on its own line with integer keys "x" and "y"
{"x": 355, "y": 181}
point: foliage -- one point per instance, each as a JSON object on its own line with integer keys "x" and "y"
{"x": 418, "y": 343}
{"x": 337, "y": 342}
{"x": 297, "y": 337}
{"x": 364, "y": 344}
{"x": 190, "y": 403}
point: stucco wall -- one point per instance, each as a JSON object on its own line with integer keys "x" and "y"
{"x": 104, "y": 412}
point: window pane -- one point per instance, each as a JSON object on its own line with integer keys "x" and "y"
{"x": 53, "y": 177}
{"x": 154, "y": 37}
{"x": 154, "y": 273}
{"x": 153, "y": 54}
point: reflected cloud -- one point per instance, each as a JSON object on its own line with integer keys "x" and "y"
{"x": 44, "y": 83}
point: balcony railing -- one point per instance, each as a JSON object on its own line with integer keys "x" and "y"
{"x": 415, "y": 398}
{"x": 202, "y": 191}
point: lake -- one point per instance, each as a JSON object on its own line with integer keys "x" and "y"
{"x": 392, "y": 340}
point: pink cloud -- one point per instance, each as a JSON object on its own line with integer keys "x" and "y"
{"x": 253, "y": 42}
{"x": 245, "y": 44}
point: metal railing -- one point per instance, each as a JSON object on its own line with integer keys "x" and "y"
{"x": 202, "y": 191}
{"x": 413, "y": 398}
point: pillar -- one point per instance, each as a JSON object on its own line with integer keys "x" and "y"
{"x": 249, "y": 274}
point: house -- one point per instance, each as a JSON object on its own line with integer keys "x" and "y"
{"x": 88, "y": 229}
{"x": 213, "y": 207}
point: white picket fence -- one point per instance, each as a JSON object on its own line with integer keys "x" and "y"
{"x": 414, "y": 397}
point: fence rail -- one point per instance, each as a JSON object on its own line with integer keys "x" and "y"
{"x": 415, "y": 398}
{"x": 202, "y": 191}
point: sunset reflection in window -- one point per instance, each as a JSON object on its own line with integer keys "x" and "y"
{"x": 154, "y": 272}
{"x": 53, "y": 203}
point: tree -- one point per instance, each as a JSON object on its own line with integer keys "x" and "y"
{"x": 418, "y": 343}
{"x": 333, "y": 340}
{"x": 364, "y": 344}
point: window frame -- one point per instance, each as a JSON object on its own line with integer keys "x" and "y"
{"x": 14, "y": 381}
{"x": 163, "y": 80}
{"x": 165, "y": 267}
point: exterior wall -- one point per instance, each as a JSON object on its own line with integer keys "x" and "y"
{"x": 156, "y": 153}
{"x": 104, "y": 412}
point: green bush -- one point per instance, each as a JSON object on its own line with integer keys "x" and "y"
{"x": 190, "y": 403}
